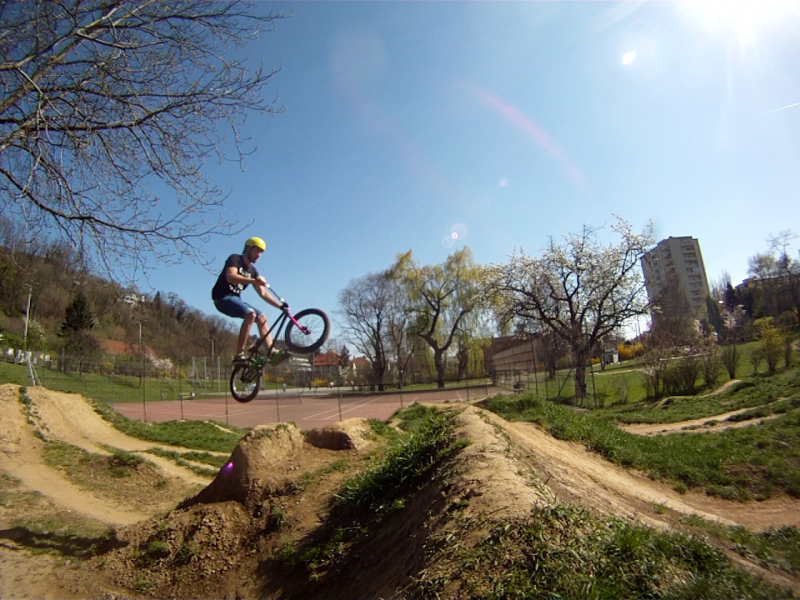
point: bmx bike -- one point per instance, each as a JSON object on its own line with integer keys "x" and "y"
{"x": 305, "y": 332}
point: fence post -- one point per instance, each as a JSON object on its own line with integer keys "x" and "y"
{"x": 227, "y": 418}
{"x": 340, "y": 405}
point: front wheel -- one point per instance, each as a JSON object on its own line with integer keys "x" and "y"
{"x": 317, "y": 327}
{"x": 245, "y": 382}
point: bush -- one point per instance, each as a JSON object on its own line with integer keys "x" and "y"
{"x": 629, "y": 351}
{"x": 773, "y": 340}
{"x": 681, "y": 376}
{"x": 731, "y": 357}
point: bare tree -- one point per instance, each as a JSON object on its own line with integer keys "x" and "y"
{"x": 365, "y": 306}
{"x": 581, "y": 290}
{"x": 788, "y": 268}
{"x": 108, "y": 110}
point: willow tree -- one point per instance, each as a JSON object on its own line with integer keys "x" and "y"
{"x": 442, "y": 300}
{"x": 581, "y": 290}
{"x": 108, "y": 112}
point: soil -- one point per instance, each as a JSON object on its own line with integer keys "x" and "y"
{"x": 228, "y": 536}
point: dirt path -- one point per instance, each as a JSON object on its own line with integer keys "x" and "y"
{"x": 70, "y": 419}
{"x": 706, "y": 424}
{"x": 67, "y": 418}
{"x": 580, "y": 476}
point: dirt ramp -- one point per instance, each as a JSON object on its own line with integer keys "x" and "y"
{"x": 267, "y": 461}
{"x": 351, "y": 434}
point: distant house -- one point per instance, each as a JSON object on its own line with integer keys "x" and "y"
{"x": 359, "y": 366}
{"x": 327, "y": 365}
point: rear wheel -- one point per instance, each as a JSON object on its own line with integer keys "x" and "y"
{"x": 245, "y": 382}
{"x": 317, "y": 327}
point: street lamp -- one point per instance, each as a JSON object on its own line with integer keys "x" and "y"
{"x": 27, "y": 318}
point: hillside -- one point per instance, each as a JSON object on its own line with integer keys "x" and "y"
{"x": 270, "y": 525}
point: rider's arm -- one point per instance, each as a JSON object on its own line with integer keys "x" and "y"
{"x": 233, "y": 277}
{"x": 266, "y": 294}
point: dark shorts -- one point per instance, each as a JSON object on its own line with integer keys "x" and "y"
{"x": 234, "y": 306}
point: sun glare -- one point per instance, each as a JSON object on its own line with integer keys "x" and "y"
{"x": 746, "y": 18}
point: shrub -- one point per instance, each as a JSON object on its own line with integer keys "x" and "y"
{"x": 681, "y": 376}
{"x": 731, "y": 357}
{"x": 772, "y": 339}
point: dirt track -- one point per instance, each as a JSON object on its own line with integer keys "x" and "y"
{"x": 565, "y": 469}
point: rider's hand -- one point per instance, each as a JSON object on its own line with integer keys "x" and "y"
{"x": 260, "y": 280}
{"x": 284, "y": 306}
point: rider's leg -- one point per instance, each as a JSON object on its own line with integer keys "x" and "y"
{"x": 263, "y": 329}
{"x": 244, "y": 331}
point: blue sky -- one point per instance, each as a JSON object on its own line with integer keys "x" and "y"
{"x": 508, "y": 123}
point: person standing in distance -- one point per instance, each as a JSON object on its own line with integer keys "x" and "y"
{"x": 238, "y": 273}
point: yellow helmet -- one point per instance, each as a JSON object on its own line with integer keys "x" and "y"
{"x": 257, "y": 242}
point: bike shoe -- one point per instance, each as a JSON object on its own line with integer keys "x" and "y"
{"x": 278, "y": 357}
{"x": 240, "y": 359}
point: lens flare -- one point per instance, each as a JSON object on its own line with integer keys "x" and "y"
{"x": 628, "y": 58}
{"x": 746, "y": 18}
{"x": 528, "y": 127}
{"x": 448, "y": 241}
{"x": 458, "y": 231}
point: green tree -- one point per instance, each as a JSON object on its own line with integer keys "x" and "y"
{"x": 442, "y": 300}
{"x": 582, "y": 290}
{"x": 79, "y": 320}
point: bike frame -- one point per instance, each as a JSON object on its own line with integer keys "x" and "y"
{"x": 277, "y": 327}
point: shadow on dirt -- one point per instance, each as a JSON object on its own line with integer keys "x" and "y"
{"x": 63, "y": 544}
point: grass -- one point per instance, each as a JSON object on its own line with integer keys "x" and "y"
{"x": 753, "y": 392}
{"x": 199, "y": 435}
{"x": 427, "y": 440}
{"x": 116, "y": 388}
{"x": 747, "y": 463}
{"x": 183, "y": 460}
{"x": 566, "y": 552}
{"x": 771, "y": 549}
{"x": 410, "y": 461}
{"x": 740, "y": 464}
{"x": 621, "y": 383}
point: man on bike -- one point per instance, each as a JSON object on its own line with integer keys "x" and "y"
{"x": 238, "y": 273}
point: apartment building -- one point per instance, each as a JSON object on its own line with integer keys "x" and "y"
{"x": 677, "y": 260}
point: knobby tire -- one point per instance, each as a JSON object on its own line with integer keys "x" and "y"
{"x": 236, "y": 375}
{"x": 319, "y": 326}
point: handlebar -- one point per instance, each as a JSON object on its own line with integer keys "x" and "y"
{"x": 269, "y": 287}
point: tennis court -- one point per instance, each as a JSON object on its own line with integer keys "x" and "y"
{"x": 307, "y": 410}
